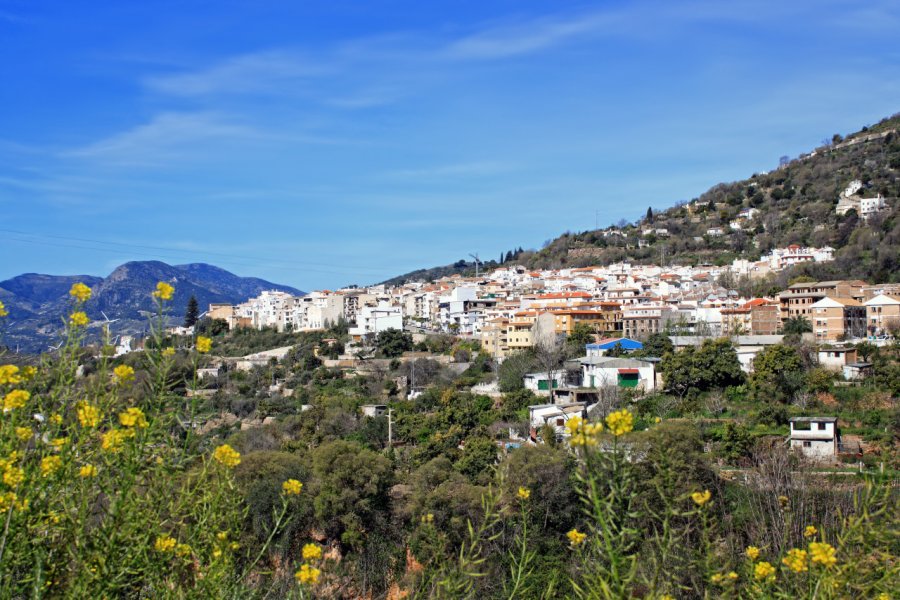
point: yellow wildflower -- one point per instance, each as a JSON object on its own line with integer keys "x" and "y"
{"x": 28, "y": 373}
{"x": 576, "y": 537}
{"x": 222, "y": 536}
{"x": 59, "y": 442}
{"x": 15, "y": 399}
{"x": 783, "y": 501}
{"x": 6, "y": 500}
{"x": 13, "y": 476}
{"x": 9, "y": 375}
{"x": 701, "y": 498}
{"x": 227, "y": 455}
{"x": 183, "y": 550}
{"x": 234, "y": 545}
{"x": 56, "y": 419}
{"x": 216, "y": 553}
{"x": 312, "y": 552}
{"x": 87, "y": 471}
{"x": 428, "y": 518}
{"x": 291, "y": 487}
{"x": 752, "y": 552}
{"x": 133, "y": 417}
{"x": 113, "y": 439}
{"x": 883, "y": 596}
{"x": 79, "y": 319}
{"x": 124, "y": 373}
{"x": 796, "y": 560}
{"x": 574, "y": 424}
{"x": 764, "y": 571}
{"x": 80, "y": 292}
{"x": 164, "y": 543}
{"x": 810, "y": 531}
{"x": 50, "y": 465}
{"x": 524, "y": 493}
{"x": 657, "y": 420}
{"x": 23, "y": 433}
{"x": 822, "y": 553}
{"x": 170, "y": 351}
{"x": 3, "y": 311}
{"x": 667, "y": 597}
{"x": 307, "y": 575}
{"x": 88, "y": 415}
{"x": 204, "y": 344}
{"x": 163, "y": 291}
{"x": 620, "y": 422}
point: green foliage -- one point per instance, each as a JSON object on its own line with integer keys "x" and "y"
{"x": 392, "y": 343}
{"x": 192, "y": 312}
{"x": 778, "y": 373}
{"x": 714, "y": 365}
{"x": 514, "y": 368}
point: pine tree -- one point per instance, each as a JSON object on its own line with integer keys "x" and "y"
{"x": 192, "y": 313}
{"x": 649, "y": 214}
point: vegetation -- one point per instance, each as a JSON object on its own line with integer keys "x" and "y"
{"x": 140, "y": 479}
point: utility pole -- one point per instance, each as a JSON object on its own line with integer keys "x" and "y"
{"x": 477, "y": 260}
{"x": 390, "y": 430}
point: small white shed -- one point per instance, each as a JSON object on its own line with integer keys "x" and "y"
{"x": 815, "y": 437}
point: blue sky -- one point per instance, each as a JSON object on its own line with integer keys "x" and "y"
{"x": 324, "y": 143}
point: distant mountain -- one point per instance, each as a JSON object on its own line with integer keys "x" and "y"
{"x": 794, "y": 203}
{"x": 38, "y": 303}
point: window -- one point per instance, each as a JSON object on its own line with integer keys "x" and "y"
{"x": 820, "y": 426}
{"x": 807, "y": 444}
{"x": 560, "y": 422}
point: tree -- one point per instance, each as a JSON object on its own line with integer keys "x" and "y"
{"x": 797, "y": 325}
{"x": 649, "y": 214}
{"x": 657, "y": 345}
{"x": 392, "y": 343}
{"x": 714, "y": 365}
{"x": 549, "y": 348}
{"x": 866, "y": 350}
{"x": 192, "y": 313}
{"x": 582, "y": 334}
{"x": 777, "y": 373}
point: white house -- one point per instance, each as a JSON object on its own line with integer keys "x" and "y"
{"x": 555, "y": 415}
{"x": 373, "y": 410}
{"x": 539, "y": 383}
{"x": 836, "y": 358}
{"x": 604, "y": 371}
{"x": 815, "y": 437}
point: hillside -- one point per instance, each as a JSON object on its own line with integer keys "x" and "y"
{"x": 796, "y": 204}
{"x": 37, "y": 303}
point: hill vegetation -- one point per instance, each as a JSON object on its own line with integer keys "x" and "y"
{"x": 796, "y": 204}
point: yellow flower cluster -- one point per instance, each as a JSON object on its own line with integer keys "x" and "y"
{"x": 312, "y": 552}
{"x": 428, "y": 518}
{"x": 87, "y": 471}
{"x": 183, "y": 550}
{"x": 50, "y": 465}
{"x": 170, "y": 351}
{"x": 204, "y": 344}
{"x": 133, "y": 417}
{"x": 15, "y": 399}
{"x": 164, "y": 543}
{"x": 796, "y": 560}
{"x": 227, "y": 455}
{"x": 9, "y": 375}
{"x": 88, "y": 415}
{"x": 307, "y": 575}
{"x": 582, "y": 433}
{"x": 13, "y": 475}
{"x": 701, "y": 498}
{"x": 163, "y": 291}
{"x": 291, "y": 487}
{"x": 23, "y": 433}
{"x": 764, "y": 571}
{"x": 810, "y": 531}
{"x": 112, "y": 440}
{"x": 724, "y": 579}
{"x": 576, "y": 537}
{"x": 620, "y": 422}
{"x": 524, "y": 493}
{"x": 3, "y": 311}
{"x": 752, "y": 552}
{"x": 59, "y": 442}
{"x": 822, "y": 553}
{"x": 80, "y": 292}
{"x": 79, "y": 319}
{"x": 124, "y": 373}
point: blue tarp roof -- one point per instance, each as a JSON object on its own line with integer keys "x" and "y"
{"x": 627, "y": 344}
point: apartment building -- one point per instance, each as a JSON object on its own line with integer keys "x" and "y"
{"x": 641, "y": 321}
{"x": 835, "y": 319}
{"x": 797, "y": 300}
{"x": 882, "y": 314}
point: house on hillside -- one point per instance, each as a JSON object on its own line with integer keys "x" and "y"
{"x": 539, "y": 383}
{"x": 815, "y": 437}
{"x": 605, "y": 345}
{"x": 554, "y": 415}
{"x": 605, "y": 371}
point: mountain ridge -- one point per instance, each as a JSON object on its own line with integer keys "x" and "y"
{"x": 37, "y": 302}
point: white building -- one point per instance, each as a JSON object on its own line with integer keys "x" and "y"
{"x": 626, "y": 373}
{"x": 815, "y": 437}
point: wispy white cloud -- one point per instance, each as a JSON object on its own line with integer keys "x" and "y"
{"x": 260, "y": 72}
{"x": 163, "y": 139}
